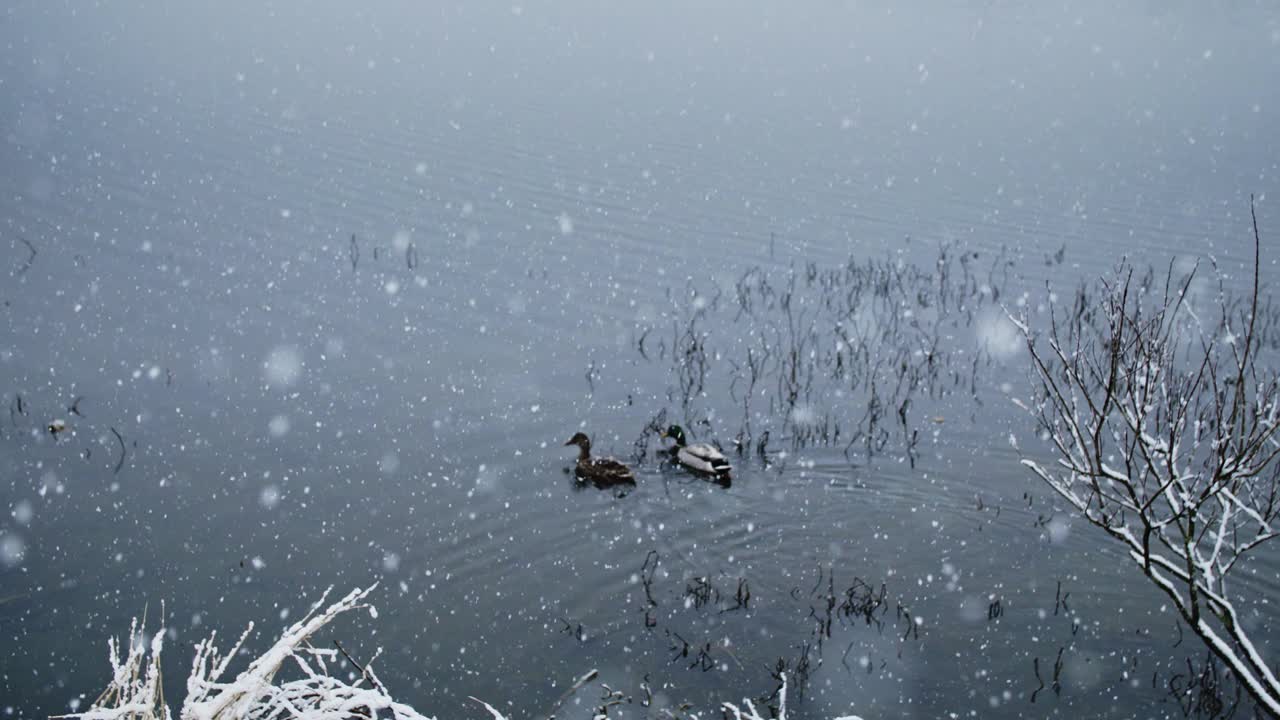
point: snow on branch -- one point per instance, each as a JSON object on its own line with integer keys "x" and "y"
{"x": 256, "y": 693}
{"x": 134, "y": 692}
{"x": 260, "y": 692}
{"x": 1165, "y": 431}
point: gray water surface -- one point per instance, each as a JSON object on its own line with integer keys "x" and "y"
{"x": 535, "y": 188}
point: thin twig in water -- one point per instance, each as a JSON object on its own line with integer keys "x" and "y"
{"x": 363, "y": 671}
{"x": 591, "y": 675}
{"x": 1057, "y": 673}
{"x": 1060, "y": 602}
{"x": 30, "y": 259}
{"x": 1035, "y": 664}
{"x": 123, "y": 452}
{"x": 16, "y": 409}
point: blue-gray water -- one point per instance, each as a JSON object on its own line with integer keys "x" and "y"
{"x": 533, "y": 186}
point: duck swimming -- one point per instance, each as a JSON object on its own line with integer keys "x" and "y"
{"x": 598, "y": 471}
{"x": 702, "y": 457}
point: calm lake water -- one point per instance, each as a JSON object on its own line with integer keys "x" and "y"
{"x": 544, "y": 198}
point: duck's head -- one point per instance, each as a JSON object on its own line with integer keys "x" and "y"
{"x": 675, "y": 432}
{"x": 581, "y": 440}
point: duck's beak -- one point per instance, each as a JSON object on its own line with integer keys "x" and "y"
{"x": 569, "y": 442}
{"x": 662, "y": 434}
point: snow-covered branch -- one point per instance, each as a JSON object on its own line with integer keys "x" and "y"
{"x": 1165, "y": 432}
{"x": 259, "y": 692}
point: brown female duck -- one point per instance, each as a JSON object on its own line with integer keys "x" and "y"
{"x": 598, "y": 471}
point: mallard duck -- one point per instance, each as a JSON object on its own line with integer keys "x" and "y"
{"x": 702, "y": 457}
{"x": 598, "y": 471}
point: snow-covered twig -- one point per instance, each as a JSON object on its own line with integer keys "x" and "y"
{"x": 1165, "y": 439}
{"x": 259, "y": 692}
{"x": 751, "y": 713}
{"x": 134, "y": 692}
{"x": 256, "y": 693}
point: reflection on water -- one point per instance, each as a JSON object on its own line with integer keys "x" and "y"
{"x": 575, "y": 220}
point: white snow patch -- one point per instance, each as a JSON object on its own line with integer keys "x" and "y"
{"x": 804, "y": 415}
{"x": 12, "y": 550}
{"x": 566, "y": 224}
{"x": 269, "y": 497}
{"x": 390, "y": 562}
{"x": 23, "y": 512}
{"x": 389, "y": 463}
{"x": 279, "y": 426}
{"x": 486, "y": 479}
{"x": 1059, "y": 529}
{"x": 283, "y": 367}
{"x": 998, "y": 335}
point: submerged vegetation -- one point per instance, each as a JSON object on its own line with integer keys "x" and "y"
{"x": 846, "y": 356}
